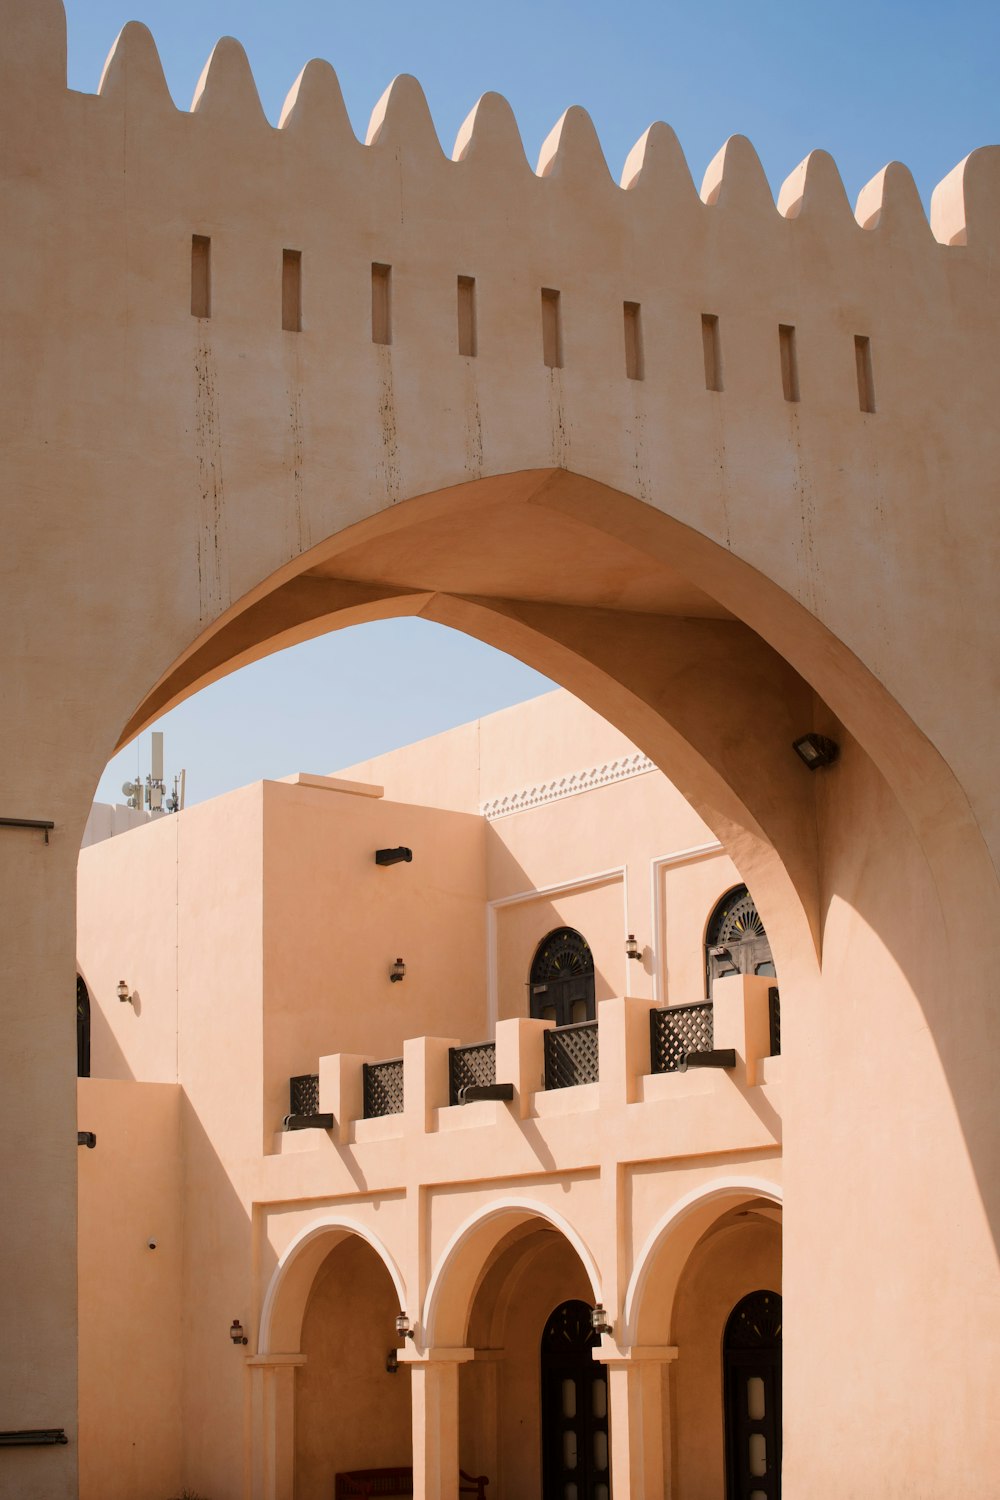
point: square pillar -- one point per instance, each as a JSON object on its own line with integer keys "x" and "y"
{"x": 434, "y": 1397}
{"x": 342, "y": 1091}
{"x": 425, "y": 1079}
{"x": 639, "y": 1422}
{"x": 520, "y": 1044}
{"x": 272, "y": 1408}
{"x": 623, "y": 1048}
{"x": 741, "y": 1019}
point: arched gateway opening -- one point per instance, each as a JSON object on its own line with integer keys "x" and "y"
{"x": 643, "y": 629}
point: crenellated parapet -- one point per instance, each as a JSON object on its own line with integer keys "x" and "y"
{"x": 237, "y": 341}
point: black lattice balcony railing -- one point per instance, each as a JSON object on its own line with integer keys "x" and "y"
{"x": 303, "y": 1094}
{"x": 383, "y": 1084}
{"x": 471, "y": 1065}
{"x": 774, "y": 1020}
{"x": 571, "y": 1055}
{"x": 676, "y": 1031}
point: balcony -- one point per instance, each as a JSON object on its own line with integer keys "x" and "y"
{"x": 583, "y": 1066}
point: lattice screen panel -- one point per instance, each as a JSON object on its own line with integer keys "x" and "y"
{"x": 571, "y": 1055}
{"x": 676, "y": 1031}
{"x": 383, "y": 1082}
{"x": 303, "y": 1094}
{"x": 475, "y": 1064}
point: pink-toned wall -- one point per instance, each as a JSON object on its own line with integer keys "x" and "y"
{"x": 334, "y": 922}
{"x": 132, "y": 1306}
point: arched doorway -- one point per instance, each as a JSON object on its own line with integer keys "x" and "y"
{"x": 576, "y": 1462}
{"x": 561, "y": 986}
{"x": 352, "y": 1400}
{"x": 752, "y": 1374}
{"x": 735, "y": 939}
{"x": 82, "y": 1029}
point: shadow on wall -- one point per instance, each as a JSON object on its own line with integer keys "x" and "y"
{"x": 351, "y": 1412}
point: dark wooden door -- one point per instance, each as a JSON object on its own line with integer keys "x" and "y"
{"x": 576, "y": 1457}
{"x": 752, "y": 1366}
{"x": 561, "y": 987}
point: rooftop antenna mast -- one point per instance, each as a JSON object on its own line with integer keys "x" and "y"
{"x": 151, "y": 792}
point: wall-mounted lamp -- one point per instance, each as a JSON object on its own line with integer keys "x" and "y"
{"x": 236, "y": 1332}
{"x": 404, "y": 1328}
{"x": 632, "y": 949}
{"x": 815, "y": 750}
{"x": 391, "y": 1362}
{"x": 397, "y": 972}
{"x": 398, "y": 856}
{"x": 599, "y": 1321}
{"x": 124, "y": 994}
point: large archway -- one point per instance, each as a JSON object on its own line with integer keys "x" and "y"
{"x": 823, "y": 528}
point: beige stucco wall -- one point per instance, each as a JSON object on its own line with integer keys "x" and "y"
{"x": 824, "y": 565}
{"x": 132, "y": 1304}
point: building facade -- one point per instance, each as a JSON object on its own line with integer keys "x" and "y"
{"x": 280, "y": 1141}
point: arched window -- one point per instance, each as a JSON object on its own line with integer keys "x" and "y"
{"x": 735, "y": 940}
{"x": 752, "y": 1378}
{"x": 561, "y": 987}
{"x": 575, "y": 1456}
{"x": 82, "y": 1029}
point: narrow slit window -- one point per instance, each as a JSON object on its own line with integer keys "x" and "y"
{"x": 789, "y": 362}
{"x": 467, "y": 342}
{"x": 713, "y": 351}
{"x": 291, "y": 291}
{"x": 866, "y": 379}
{"x": 201, "y": 276}
{"x": 552, "y": 351}
{"x": 633, "y": 342}
{"x": 381, "y": 304}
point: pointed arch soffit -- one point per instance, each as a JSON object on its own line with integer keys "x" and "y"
{"x": 474, "y": 1226}
{"x": 330, "y": 1226}
{"x": 722, "y": 1191}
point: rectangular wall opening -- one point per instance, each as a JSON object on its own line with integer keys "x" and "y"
{"x": 633, "y": 342}
{"x": 291, "y": 291}
{"x": 866, "y": 378}
{"x": 712, "y": 347}
{"x": 201, "y": 276}
{"x": 552, "y": 351}
{"x": 789, "y": 362}
{"x": 467, "y": 315}
{"x": 381, "y": 304}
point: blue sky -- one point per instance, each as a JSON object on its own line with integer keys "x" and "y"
{"x": 915, "y": 81}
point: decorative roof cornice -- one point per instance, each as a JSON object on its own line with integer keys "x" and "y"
{"x": 568, "y": 786}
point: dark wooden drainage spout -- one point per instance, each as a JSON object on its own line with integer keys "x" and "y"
{"x": 471, "y": 1093}
{"x": 308, "y": 1122}
{"x": 721, "y": 1057}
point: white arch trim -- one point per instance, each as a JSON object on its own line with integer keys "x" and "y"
{"x": 719, "y": 1187}
{"x": 336, "y": 1222}
{"x": 529, "y": 1206}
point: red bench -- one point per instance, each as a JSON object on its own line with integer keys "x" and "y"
{"x": 369, "y": 1482}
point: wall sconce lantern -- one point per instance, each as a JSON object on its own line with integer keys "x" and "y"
{"x": 632, "y": 949}
{"x": 123, "y": 993}
{"x": 397, "y": 972}
{"x": 391, "y": 1362}
{"x": 599, "y": 1319}
{"x": 404, "y": 1328}
{"x": 236, "y": 1332}
{"x": 815, "y": 750}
